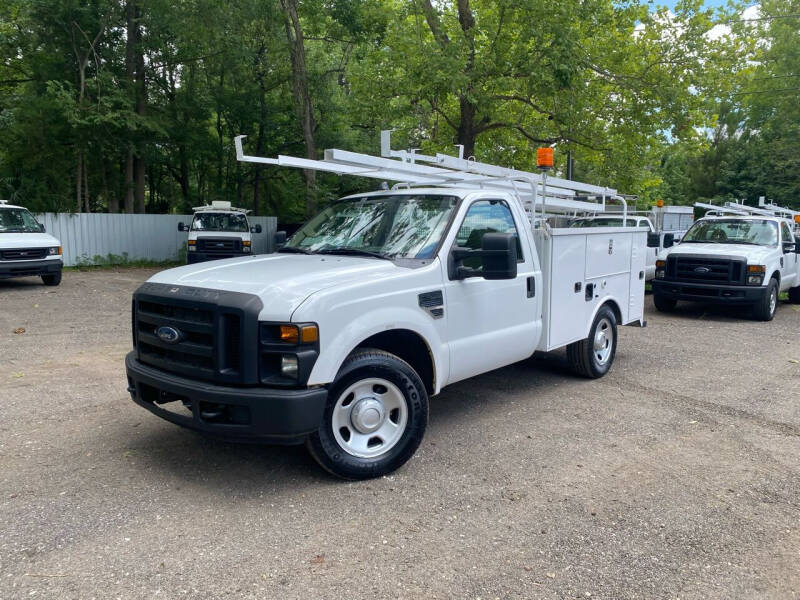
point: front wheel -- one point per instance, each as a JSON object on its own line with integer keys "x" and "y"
{"x": 594, "y": 356}
{"x": 52, "y": 278}
{"x": 764, "y": 309}
{"x": 375, "y": 418}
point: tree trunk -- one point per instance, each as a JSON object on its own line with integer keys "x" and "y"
{"x": 134, "y": 70}
{"x": 86, "y": 188}
{"x": 302, "y": 98}
{"x": 78, "y": 182}
{"x": 468, "y": 110}
{"x": 129, "y": 182}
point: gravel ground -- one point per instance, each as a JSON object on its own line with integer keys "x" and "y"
{"x": 675, "y": 476}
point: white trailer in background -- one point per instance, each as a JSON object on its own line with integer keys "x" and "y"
{"x": 379, "y": 302}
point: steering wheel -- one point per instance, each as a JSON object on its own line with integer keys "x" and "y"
{"x": 718, "y": 235}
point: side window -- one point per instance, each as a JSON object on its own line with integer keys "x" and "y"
{"x": 486, "y": 216}
{"x": 787, "y": 233}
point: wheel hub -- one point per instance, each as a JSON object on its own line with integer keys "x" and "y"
{"x": 368, "y": 415}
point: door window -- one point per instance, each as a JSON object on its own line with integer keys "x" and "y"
{"x": 787, "y": 233}
{"x": 486, "y": 216}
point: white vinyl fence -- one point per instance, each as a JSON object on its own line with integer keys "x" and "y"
{"x": 98, "y": 238}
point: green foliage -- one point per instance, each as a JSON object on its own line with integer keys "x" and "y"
{"x": 644, "y": 101}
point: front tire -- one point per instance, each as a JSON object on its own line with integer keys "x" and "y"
{"x": 764, "y": 309}
{"x": 594, "y": 356}
{"x": 664, "y": 304}
{"x": 52, "y": 278}
{"x": 375, "y": 418}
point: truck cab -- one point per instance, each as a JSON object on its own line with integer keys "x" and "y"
{"x": 218, "y": 231}
{"x": 25, "y": 249}
{"x": 731, "y": 259}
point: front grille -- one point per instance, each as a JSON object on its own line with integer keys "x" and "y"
{"x": 699, "y": 269}
{"x": 205, "y": 332}
{"x": 24, "y": 254}
{"x": 219, "y": 245}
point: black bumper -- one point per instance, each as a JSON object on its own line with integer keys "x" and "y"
{"x": 197, "y": 257}
{"x": 711, "y": 293}
{"x": 29, "y": 268}
{"x": 246, "y": 414}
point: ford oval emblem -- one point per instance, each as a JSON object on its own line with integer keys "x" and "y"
{"x": 702, "y": 270}
{"x": 169, "y": 335}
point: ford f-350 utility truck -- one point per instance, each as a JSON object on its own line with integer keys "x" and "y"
{"x": 734, "y": 258}
{"x": 384, "y": 298}
{"x": 25, "y": 249}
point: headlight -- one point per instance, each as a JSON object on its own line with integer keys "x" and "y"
{"x": 661, "y": 266}
{"x": 289, "y": 366}
{"x": 755, "y": 274}
{"x": 246, "y": 249}
{"x": 54, "y": 251}
{"x": 192, "y": 249}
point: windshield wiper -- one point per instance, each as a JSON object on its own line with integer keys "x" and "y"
{"x": 295, "y": 250}
{"x": 353, "y": 252}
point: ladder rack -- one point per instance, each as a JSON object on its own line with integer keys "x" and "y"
{"x": 404, "y": 168}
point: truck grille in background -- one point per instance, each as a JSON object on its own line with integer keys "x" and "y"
{"x": 209, "y": 346}
{"x": 23, "y": 254}
{"x": 226, "y": 246}
{"x": 706, "y": 270}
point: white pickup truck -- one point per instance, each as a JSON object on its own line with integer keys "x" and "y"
{"x": 373, "y": 306}
{"x": 217, "y": 231}
{"x": 736, "y": 259}
{"x": 25, "y": 249}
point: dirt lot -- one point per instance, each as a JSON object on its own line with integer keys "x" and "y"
{"x": 676, "y": 476}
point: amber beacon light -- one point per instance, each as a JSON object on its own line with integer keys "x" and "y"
{"x": 544, "y": 158}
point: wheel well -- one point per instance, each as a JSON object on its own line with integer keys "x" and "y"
{"x": 613, "y": 305}
{"x": 776, "y": 276}
{"x": 410, "y": 347}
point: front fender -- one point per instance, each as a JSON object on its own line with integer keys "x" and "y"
{"x": 335, "y": 350}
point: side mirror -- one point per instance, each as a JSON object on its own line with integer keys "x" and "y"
{"x": 280, "y": 239}
{"x": 498, "y": 256}
{"x": 669, "y": 240}
{"x": 41, "y": 226}
{"x": 256, "y": 229}
{"x": 797, "y": 245}
{"x": 180, "y": 226}
{"x": 789, "y": 247}
{"x": 653, "y": 240}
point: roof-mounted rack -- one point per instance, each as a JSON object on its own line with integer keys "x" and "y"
{"x": 218, "y": 205}
{"x": 3, "y": 201}
{"x": 406, "y": 168}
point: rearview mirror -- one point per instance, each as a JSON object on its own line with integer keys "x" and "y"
{"x": 256, "y": 229}
{"x": 181, "y": 226}
{"x": 279, "y": 239}
{"x": 41, "y": 226}
{"x": 498, "y": 256}
{"x": 653, "y": 240}
{"x": 669, "y": 240}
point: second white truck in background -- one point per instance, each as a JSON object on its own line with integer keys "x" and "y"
{"x": 218, "y": 231}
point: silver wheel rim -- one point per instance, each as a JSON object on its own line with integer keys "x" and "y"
{"x": 773, "y": 301}
{"x": 369, "y": 418}
{"x": 603, "y": 341}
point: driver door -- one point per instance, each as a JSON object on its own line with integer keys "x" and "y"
{"x": 789, "y": 263}
{"x": 491, "y": 323}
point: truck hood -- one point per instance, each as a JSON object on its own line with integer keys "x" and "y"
{"x": 27, "y": 240}
{"x": 282, "y": 281}
{"x": 753, "y": 254}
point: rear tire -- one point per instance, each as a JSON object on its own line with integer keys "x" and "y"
{"x": 375, "y": 417}
{"x": 52, "y": 278}
{"x": 664, "y": 304}
{"x": 794, "y": 295}
{"x": 764, "y": 309}
{"x": 594, "y": 356}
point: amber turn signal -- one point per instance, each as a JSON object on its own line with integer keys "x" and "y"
{"x": 290, "y": 334}
{"x": 192, "y": 242}
{"x": 756, "y": 268}
{"x": 660, "y": 264}
{"x": 309, "y": 334}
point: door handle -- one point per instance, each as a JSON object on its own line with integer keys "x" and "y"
{"x": 531, "y": 287}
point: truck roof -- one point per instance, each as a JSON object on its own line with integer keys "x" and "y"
{"x": 430, "y": 191}
{"x": 743, "y": 218}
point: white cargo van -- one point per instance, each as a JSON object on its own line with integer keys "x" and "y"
{"x": 25, "y": 249}
{"x": 384, "y": 298}
{"x": 218, "y": 231}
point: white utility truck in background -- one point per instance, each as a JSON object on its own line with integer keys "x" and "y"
{"x": 218, "y": 231}
{"x": 736, "y": 254}
{"x": 25, "y": 249}
{"x": 380, "y": 301}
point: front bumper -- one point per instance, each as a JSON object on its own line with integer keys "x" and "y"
{"x": 28, "y": 268}
{"x": 246, "y": 414}
{"x": 711, "y": 293}
{"x": 196, "y": 257}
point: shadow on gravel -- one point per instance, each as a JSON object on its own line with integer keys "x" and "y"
{"x": 711, "y": 312}
{"x": 21, "y": 283}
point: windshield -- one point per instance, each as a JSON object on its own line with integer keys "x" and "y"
{"x": 603, "y": 222}
{"x": 209, "y": 221}
{"x": 734, "y": 231}
{"x": 408, "y": 226}
{"x": 18, "y": 220}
